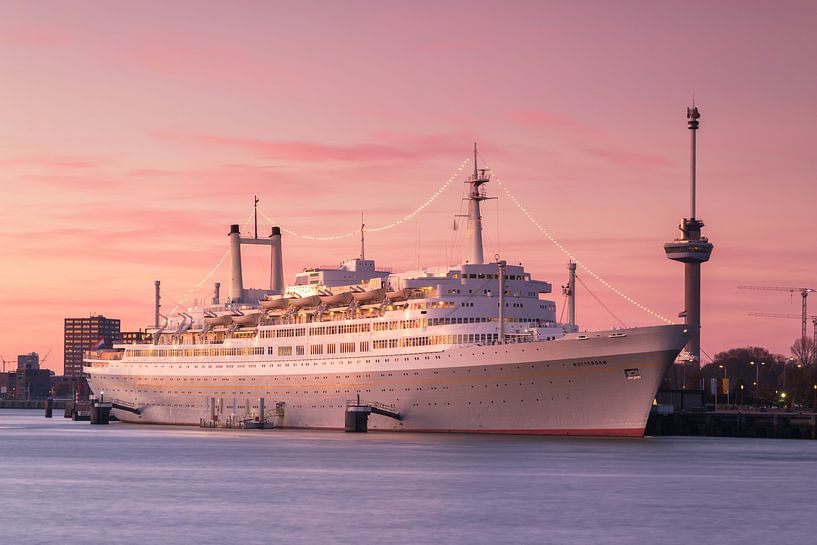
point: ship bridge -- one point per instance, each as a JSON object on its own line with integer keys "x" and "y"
{"x": 354, "y": 273}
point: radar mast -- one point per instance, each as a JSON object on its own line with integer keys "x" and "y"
{"x": 473, "y": 251}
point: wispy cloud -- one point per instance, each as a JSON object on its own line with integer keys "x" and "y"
{"x": 51, "y": 162}
{"x": 540, "y": 120}
{"x": 94, "y": 185}
{"x": 386, "y": 147}
{"x": 630, "y": 159}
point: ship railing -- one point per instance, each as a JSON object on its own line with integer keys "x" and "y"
{"x": 363, "y": 403}
{"x": 104, "y": 354}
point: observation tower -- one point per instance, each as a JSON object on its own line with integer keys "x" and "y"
{"x": 691, "y": 249}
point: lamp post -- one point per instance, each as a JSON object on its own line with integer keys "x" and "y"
{"x": 791, "y": 360}
{"x": 741, "y": 394}
{"x": 725, "y": 383}
{"x": 814, "y": 407}
{"x": 757, "y": 378}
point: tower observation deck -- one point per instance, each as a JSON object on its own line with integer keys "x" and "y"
{"x": 691, "y": 249}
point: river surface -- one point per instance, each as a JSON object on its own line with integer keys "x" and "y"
{"x": 70, "y": 482}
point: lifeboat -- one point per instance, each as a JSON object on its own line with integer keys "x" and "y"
{"x": 305, "y": 302}
{"x": 399, "y": 295}
{"x": 371, "y": 296}
{"x": 335, "y": 299}
{"x": 250, "y": 319}
{"x": 270, "y": 304}
{"x": 224, "y": 319}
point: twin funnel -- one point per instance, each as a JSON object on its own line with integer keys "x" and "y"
{"x": 237, "y": 292}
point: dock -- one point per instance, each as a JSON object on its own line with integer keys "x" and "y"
{"x": 776, "y": 424}
{"x": 230, "y": 416}
{"x": 32, "y": 404}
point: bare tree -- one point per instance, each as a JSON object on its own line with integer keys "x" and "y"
{"x": 804, "y": 350}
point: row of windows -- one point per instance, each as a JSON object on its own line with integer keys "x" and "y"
{"x": 432, "y": 304}
{"x": 314, "y": 349}
{"x": 491, "y": 276}
{"x": 476, "y": 320}
{"x": 329, "y": 348}
{"x": 469, "y": 338}
{"x": 195, "y": 352}
{"x": 400, "y": 324}
{"x": 287, "y": 350}
{"x": 345, "y": 329}
{"x": 342, "y": 329}
{"x": 284, "y": 333}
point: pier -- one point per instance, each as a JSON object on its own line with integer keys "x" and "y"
{"x": 32, "y": 404}
{"x": 227, "y": 416}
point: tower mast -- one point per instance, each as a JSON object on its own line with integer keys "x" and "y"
{"x": 691, "y": 249}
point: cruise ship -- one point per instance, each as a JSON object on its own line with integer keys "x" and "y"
{"x": 472, "y": 348}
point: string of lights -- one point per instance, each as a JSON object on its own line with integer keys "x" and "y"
{"x": 209, "y": 275}
{"x": 406, "y": 218}
{"x": 391, "y": 225}
{"x": 578, "y": 262}
{"x": 410, "y": 216}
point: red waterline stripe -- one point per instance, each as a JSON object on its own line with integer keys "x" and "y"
{"x": 589, "y": 432}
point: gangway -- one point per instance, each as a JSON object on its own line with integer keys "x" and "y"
{"x": 125, "y": 406}
{"x": 358, "y": 411}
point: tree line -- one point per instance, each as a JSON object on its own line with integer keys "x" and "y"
{"x": 759, "y": 377}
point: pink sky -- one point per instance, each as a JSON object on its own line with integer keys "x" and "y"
{"x": 131, "y": 136}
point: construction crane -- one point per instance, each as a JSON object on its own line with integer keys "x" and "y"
{"x": 803, "y": 293}
{"x": 42, "y": 361}
{"x": 775, "y": 315}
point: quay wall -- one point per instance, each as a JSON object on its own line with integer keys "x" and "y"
{"x": 772, "y": 424}
{"x": 30, "y": 404}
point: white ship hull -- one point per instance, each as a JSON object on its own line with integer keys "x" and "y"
{"x": 603, "y": 384}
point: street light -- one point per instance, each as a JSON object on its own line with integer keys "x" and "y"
{"x": 741, "y": 394}
{"x": 725, "y": 383}
{"x": 791, "y": 361}
{"x": 757, "y": 377}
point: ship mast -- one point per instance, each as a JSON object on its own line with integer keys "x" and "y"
{"x": 473, "y": 252}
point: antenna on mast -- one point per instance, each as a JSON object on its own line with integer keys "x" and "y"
{"x": 255, "y": 214}
{"x": 362, "y": 240}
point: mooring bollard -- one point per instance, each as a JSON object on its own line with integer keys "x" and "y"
{"x": 100, "y": 412}
{"x": 357, "y": 419}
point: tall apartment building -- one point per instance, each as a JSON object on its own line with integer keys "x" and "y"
{"x": 83, "y": 334}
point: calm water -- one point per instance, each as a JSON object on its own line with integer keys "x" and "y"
{"x": 70, "y": 482}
